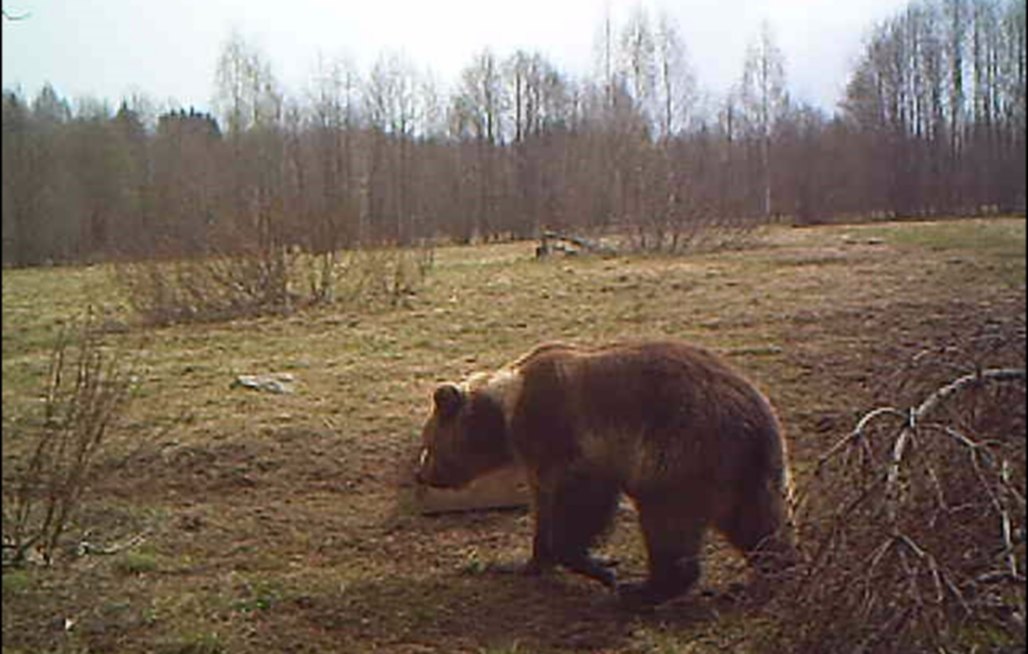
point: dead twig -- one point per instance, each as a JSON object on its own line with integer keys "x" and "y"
{"x": 915, "y": 520}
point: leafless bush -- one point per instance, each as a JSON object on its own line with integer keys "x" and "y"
{"x": 87, "y": 388}
{"x": 382, "y": 274}
{"x": 914, "y": 529}
{"x": 689, "y": 227}
{"x": 207, "y": 288}
{"x": 269, "y": 281}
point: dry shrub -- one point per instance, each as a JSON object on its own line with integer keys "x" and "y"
{"x": 702, "y": 229}
{"x": 87, "y": 388}
{"x": 217, "y": 287}
{"x": 371, "y": 275}
{"x": 269, "y": 281}
{"x": 913, "y": 529}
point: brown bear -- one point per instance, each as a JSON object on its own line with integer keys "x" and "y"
{"x": 690, "y": 441}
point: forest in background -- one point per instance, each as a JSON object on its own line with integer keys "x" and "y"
{"x": 932, "y": 122}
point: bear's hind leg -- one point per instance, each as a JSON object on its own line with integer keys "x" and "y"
{"x": 674, "y": 540}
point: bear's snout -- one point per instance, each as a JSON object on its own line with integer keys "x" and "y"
{"x": 438, "y": 474}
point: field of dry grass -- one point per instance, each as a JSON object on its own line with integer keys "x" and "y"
{"x": 283, "y": 522}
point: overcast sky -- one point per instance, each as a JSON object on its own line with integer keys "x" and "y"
{"x": 167, "y": 49}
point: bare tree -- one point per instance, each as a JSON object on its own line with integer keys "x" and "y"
{"x": 393, "y": 110}
{"x": 933, "y": 121}
{"x": 938, "y": 97}
{"x": 764, "y": 100}
{"x": 638, "y": 65}
{"x": 676, "y": 80}
{"x": 332, "y": 134}
{"x": 477, "y": 110}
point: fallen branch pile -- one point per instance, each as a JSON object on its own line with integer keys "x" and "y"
{"x": 569, "y": 244}
{"x": 914, "y": 529}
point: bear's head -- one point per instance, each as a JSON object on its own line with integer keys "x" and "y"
{"x": 464, "y": 438}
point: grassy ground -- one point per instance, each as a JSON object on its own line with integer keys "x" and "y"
{"x": 282, "y": 522}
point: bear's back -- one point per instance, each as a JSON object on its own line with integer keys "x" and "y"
{"x": 648, "y": 413}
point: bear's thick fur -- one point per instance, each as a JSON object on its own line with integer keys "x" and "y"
{"x": 691, "y": 442}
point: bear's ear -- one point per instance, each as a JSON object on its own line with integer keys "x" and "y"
{"x": 448, "y": 399}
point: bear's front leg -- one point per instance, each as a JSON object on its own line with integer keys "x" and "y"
{"x": 572, "y": 511}
{"x": 543, "y": 559}
{"x": 543, "y": 552}
{"x": 592, "y": 567}
{"x": 553, "y": 545}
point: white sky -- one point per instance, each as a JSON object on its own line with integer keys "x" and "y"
{"x": 167, "y": 49}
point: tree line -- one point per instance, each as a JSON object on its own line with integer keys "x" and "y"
{"x": 932, "y": 122}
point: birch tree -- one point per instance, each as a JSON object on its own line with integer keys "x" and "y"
{"x": 764, "y": 100}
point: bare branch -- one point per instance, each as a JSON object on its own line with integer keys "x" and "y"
{"x": 910, "y": 546}
{"x": 934, "y": 400}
